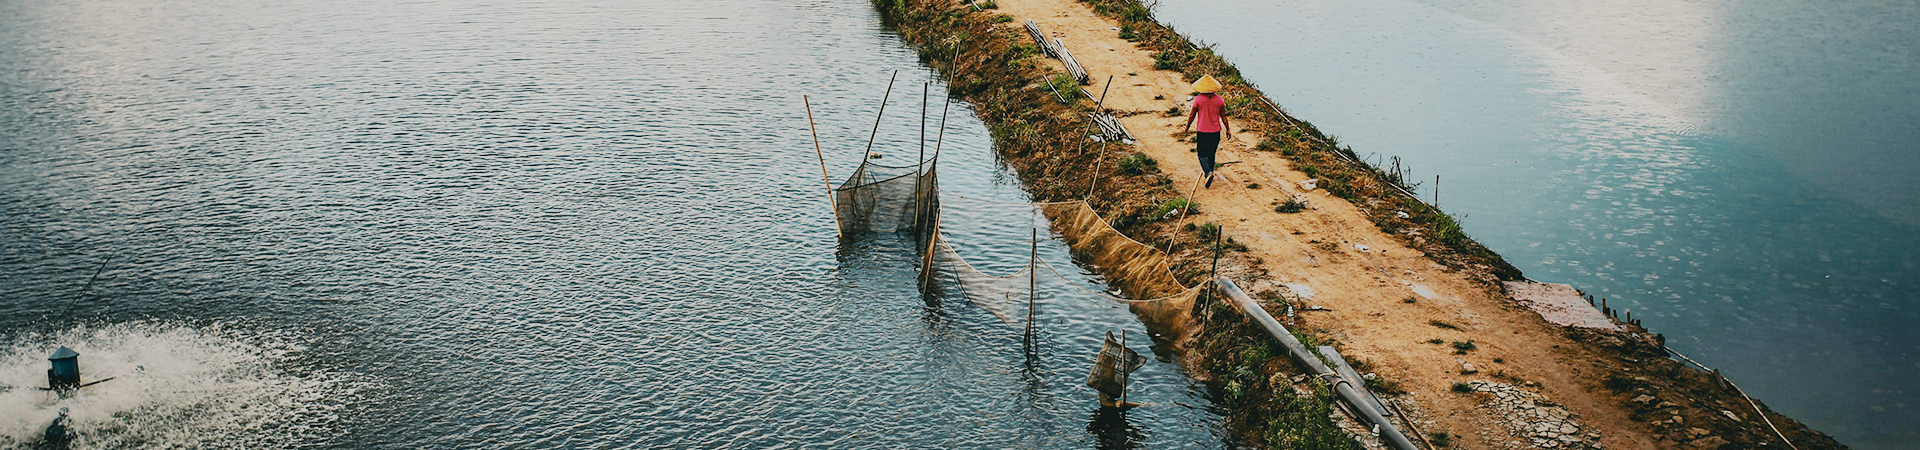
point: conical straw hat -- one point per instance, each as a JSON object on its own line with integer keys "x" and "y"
{"x": 1206, "y": 85}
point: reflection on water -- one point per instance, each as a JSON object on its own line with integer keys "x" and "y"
{"x": 524, "y": 225}
{"x": 1742, "y": 175}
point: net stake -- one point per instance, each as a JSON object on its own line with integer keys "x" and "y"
{"x": 920, "y": 165}
{"x": 831, "y": 204}
{"x": 1219, "y": 234}
{"x": 1183, "y": 213}
{"x": 1124, "y": 375}
{"x": 1033, "y": 280}
{"x": 877, "y": 116}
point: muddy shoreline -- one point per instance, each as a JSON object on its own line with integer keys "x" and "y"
{"x": 1623, "y": 384}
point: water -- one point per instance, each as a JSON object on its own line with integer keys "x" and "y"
{"x": 469, "y": 224}
{"x": 1740, "y": 174}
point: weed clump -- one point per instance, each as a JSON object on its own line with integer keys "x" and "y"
{"x": 1139, "y": 164}
{"x": 1168, "y": 208}
{"x": 1292, "y": 205}
{"x": 1461, "y": 348}
{"x": 1463, "y": 388}
{"x": 1168, "y": 60}
{"x": 1065, "y": 85}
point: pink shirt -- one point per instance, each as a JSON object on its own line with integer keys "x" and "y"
{"x": 1206, "y": 112}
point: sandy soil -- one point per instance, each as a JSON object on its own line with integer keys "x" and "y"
{"x": 1365, "y": 290}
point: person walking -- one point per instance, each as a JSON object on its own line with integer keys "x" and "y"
{"x": 1208, "y": 112}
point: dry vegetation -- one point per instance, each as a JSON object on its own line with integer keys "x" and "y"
{"x": 994, "y": 66}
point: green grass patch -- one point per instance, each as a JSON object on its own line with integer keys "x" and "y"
{"x": 1170, "y": 207}
{"x": 1139, "y": 164}
{"x": 1066, "y": 86}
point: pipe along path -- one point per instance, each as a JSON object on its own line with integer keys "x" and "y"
{"x": 1348, "y": 390}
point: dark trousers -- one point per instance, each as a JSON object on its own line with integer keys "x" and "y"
{"x": 1209, "y": 143}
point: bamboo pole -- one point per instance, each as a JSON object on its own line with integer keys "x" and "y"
{"x": 877, "y": 116}
{"x": 1737, "y": 390}
{"x": 831, "y": 203}
{"x": 1093, "y": 177}
{"x": 1219, "y": 234}
{"x": 1183, "y": 213}
{"x": 1397, "y": 411}
{"x": 1124, "y": 374}
{"x": 1101, "y": 105}
{"x": 921, "y": 163}
{"x": 1033, "y": 280}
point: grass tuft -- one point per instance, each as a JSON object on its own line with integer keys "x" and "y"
{"x": 1292, "y": 205}
{"x": 1139, "y": 164}
{"x": 1461, "y": 348}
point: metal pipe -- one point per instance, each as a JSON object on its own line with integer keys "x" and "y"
{"x": 1345, "y": 388}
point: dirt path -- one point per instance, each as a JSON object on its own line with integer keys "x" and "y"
{"x": 1353, "y": 268}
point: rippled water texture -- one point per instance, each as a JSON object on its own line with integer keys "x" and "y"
{"x": 457, "y": 225}
{"x": 1740, "y": 174}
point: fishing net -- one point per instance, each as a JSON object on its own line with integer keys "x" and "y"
{"x": 1008, "y": 296}
{"x": 1115, "y": 362}
{"x": 879, "y": 199}
{"x": 1138, "y": 273}
{"x": 887, "y": 199}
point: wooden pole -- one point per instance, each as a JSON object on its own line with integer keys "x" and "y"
{"x": 1124, "y": 375}
{"x": 1436, "y": 191}
{"x": 1395, "y": 404}
{"x": 1033, "y": 280}
{"x": 941, "y": 137}
{"x": 1101, "y": 105}
{"x": 1183, "y": 212}
{"x": 831, "y": 203}
{"x": 921, "y": 163}
{"x": 924, "y": 91}
{"x": 1093, "y": 177}
{"x": 877, "y": 116}
{"x": 1219, "y": 234}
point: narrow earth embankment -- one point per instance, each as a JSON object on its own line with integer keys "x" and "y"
{"x": 1348, "y": 257}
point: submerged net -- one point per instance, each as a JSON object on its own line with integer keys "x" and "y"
{"x": 1008, "y": 296}
{"x": 879, "y": 199}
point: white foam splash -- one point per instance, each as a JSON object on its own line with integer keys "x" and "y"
{"x": 173, "y": 386}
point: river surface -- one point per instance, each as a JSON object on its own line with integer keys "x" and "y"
{"x": 1744, "y": 175}
{"x": 445, "y": 224}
